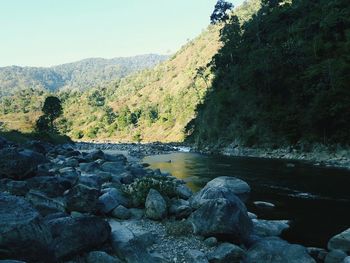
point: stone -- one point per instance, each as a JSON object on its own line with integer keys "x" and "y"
{"x": 180, "y": 208}
{"x": 195, "y": 256}
{"x": 226, "y": 252}
{"x": 77, "y": 235}
{"x": 19, "y": 164}
{"x": 121, "y": 212}
{"x": 319, "y": 254}
{"x": 235, "y": 185}
{"x": 100, "y": 257}
{"x": 44, "y": 204}
{"x": 340, "y": 241}
{"x": 114, "y": 168}
{"x": 252, "y": 215}
{"x": 276, "y": 250}
{"x": 89, "y": 167}
{"x": 82, "y": 198}
{"x": 266, "y": 228}
{"x": 222, "y": 218}
{"x": 90, "y": 180}
{"x": 19, "y": 188}
{"x": 69, "y": 174}
{"x": 155, "y": 205}
{"x": 52, "y": 186}
{"x": 183, "y": 191}
{"x": 95, "y": 155}
{"x": 110, "y": 200}
{"x": 11, "y": 261}
{"x": 346, "y": 260}
{"x": 335, "y": 256}
{"x": 23, "y": 234}
{"x": 211, "y": 241}
{"x": 137, "y": 213}
{"x": 263, "y": 204}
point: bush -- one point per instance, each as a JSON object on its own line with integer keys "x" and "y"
{"x": 138, "y": 190}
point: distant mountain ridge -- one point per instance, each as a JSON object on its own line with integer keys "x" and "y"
{"x": 79, "y": 75}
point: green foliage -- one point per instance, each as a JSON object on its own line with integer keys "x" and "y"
{"x": 52, "y": 109}
{"x": 138, "y": 190}
{"x": 220, "y": 13}
{"x": 280, "y": 77}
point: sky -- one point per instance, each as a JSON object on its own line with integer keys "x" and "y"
{"x": 52, "y": 32}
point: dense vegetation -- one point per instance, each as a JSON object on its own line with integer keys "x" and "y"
{"x": 79, "y": 75}
{"x": 281, "y": 78}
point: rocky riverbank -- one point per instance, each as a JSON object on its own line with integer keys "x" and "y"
{"x": 318, "y": 154}
{"x": 61, "y": 204}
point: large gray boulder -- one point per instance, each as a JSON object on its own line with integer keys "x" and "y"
{"x": 276, "y": 250}
{"x": 114, "y": 168}
{"x": 82, "y": 198}
{"x": 235, "y": 185}
{"x": 95, "y": 155}
{"x": 340, "y": 241}
{"x": 52, "y": 186}
{"x": 111, "y": 199}
{"x": 23, "y": 235}
{"x": 226, "y": 252}
{"x": 335, "y": 256}
{"x": 266, "y": 228}
{"x": 130, "y": 247}
{"x": 222, "y": 218}
{"x": 195, "y": 256}
{"x": 155, "y": 205}
{"x": 180, "y": 208}
{"x": 77, "y": 235}
{"x": 19, "y": 164}
{"x": 44, "y": 204}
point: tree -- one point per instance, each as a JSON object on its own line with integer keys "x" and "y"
{"x": 52, "y": 109}
{"x": 220, "y": 13}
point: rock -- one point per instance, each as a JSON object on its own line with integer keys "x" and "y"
{"x": 11, "y": 261}
{"x": 3, "y": 142}
{"x": 128, "y": 247}
{"x": 180, "y": 209}
{"x": 266, "y": 228}
{"x": 116, "y": 158}
{"x": 45, "y": 205}
{"x": 183, "y": 191}
{"x": 19, "y": 188}
{"x": 226, "y": 252}
{"x": 346, "y": 260}
{"x": 340, "y": 241}
{"x": 121, "y": 212}
{"x": 319, "y": 254}
{"x": 252, "y": 215}
{"x": 155, "y": 205}
{"x": 222, "y": 218}
{"x": 195, "y": 256}
{"x": 82, "y": 198}
{"x": 104, "y": 176}
{"x": 52, "y": 186}
{"x": 211, "y": 241}
{"x": 90, "y": 180}
{"x": 89, "y": 167}
{"x": 69, "y": 174}
{"x": 137, "y": 213}
{"x": 335, "y": 256}
{"x": 110, "y": 200}
{"x": 95, "y": 155}
{"x": 113, "y": 167}
{"x": 235, "y": 185}
{"x": 77, "y": 235}
{"x": 263, "y": 204}
{"x": 211, "y": 193}
{"x": 19, "y": 164}
{"x": 275, "y": 250}
{"x": 100, "y": 257}
{"x": 23, "y": 235}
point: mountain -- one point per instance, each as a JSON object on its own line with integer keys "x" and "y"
{"x": 280, "y": 79}
{"x": 79, "y": 75}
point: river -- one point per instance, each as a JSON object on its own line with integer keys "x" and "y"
{"x": 315, "y": 199}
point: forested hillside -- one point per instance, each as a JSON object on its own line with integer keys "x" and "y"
{"x": 281, "y": 78}
{"x": 79, "y": 75}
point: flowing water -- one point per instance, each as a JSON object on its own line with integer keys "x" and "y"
{"x": 315, "y": 199}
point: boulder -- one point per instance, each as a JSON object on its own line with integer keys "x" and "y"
{"x": 72, "y": 236}
{"x": 183, "y": 191}
{"x": 89, "y": 167}
{"x": 180, "y": 208}
{"x": 226, "y": 252}
{"x": 95, "y": 155}
{"x": 69, "y": 174}
{"x": 90, "y": 180}
{"x": 110, "y": 200}
{"x": 130, "y": 247}
{"x": 346, "y": 260}
{"x": 276, "y": 250}
{"x": 195, "y": 256}
{"x": 235, "y": 185}
{"x": 44, "y": 204}
{"x": 266, "y": 228}
{"x": 3, "y": 142}
{"x": 335, "y": 256}
{"x": 19, "y": 188}
{"x": 11, "y": 261}
{"x": 100, "y": 257}
{"x": 340, "y": 241}
{"x": 52, "y": 186}
{"x": 222, "y": 218}
{"x": 211, "y": 241}
{"x": 263, "y": 204}
{"x": 114, "y": 168}
{"x": 82, "y": 198}
{"x": 155, "y": 205}
{"x": 121, "y": 212}
{"x": 19, "y": 164}
{"x": 23, "y": 235}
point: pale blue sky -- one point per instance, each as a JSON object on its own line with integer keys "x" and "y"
{"x": 51, "y": 32}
